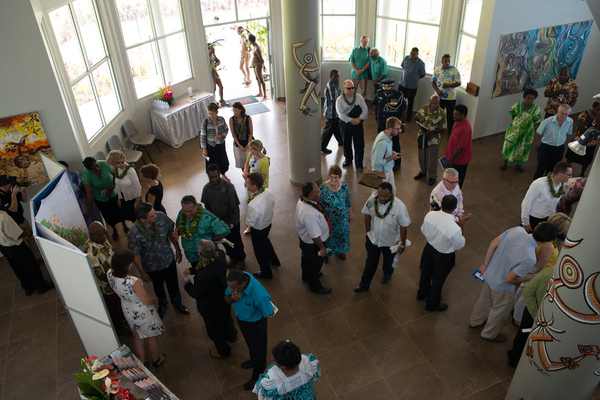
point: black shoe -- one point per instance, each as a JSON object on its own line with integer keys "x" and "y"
{"x": 326, "y": 151}
{"x": 250, "y": 384}
{"x": 304, "y": 278}
{"x": 182, "y": 309}
{"x": 360, "y": 288}
{"x": 260, "y": 275}
{"x": 346, "y": 163}
{"x": 418, "y": 176}
{"x": 421, "y": 296}
{"x": 275, "y": 265}
{"x": 386, "y": 279}
{"x": 28, "y": 292}
{"x": 326, "y": 260}
{"x": 162, "y": 357}
{"x": 247, "y": 364}
{"x": 439, "y": 307}
{"x": 44, "y": 288}
{"x": 232, "y": 340}
{"x": 511, "y": 362}
{"x": 161, "y": 311}
{"x": 341, "y": 256}
{"x": 323, "y": 290}
{"x": 431, "y": 181}
{"x": 360, "y": 169}
{"x": 396, "y": 167}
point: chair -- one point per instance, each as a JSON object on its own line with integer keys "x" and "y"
{"x": 100, "y": 156}
{"x": 131, "y": 156}
{"x": 139, "y": 140}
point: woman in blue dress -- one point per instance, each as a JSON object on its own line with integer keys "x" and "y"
{"x": 335, "y": 197}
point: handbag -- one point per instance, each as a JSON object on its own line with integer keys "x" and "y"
{"x": 371, "y": 178}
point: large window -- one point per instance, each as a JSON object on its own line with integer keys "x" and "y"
{"x": 221, "y": 11}
{"x": 337, "y": 28}
{"x": 468, "y": 38}
{"x": 154, "y": 36}
{"x": 404, "y": 24}
{"x": 84, "y": 54}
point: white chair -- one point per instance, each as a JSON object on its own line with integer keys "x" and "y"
{"x": 100, "y": 156}
{"x": 131, "y": 156}
{"x": 139, "y": 140}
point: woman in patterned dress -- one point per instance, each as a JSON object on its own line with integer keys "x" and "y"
{"x": 138, "y": 306}
{"x": 586, "y": 120}
{"x": 335, "y": 197}
{"x": 519, "y": 135}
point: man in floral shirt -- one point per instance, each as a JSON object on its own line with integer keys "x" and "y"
{"x": 445, "y": 80}
{"x": 560, "y": 90}
{"x": 431, "y": 122}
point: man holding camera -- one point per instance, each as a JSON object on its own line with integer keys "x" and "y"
{"x": 449, "y": 185}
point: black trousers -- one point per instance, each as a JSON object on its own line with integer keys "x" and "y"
{"x": 435, "y": 268}
{"x": 263, "y": 250}
{"x": 168, "y": 276}
{"x": 255, "y": 335}
{"x": 332, "y": 127}
{"x": 533, "y": 221}
{"x": 448, "y": 106}
{"x": 24, "y": 265}
{"x": 520, "y": 340}
{"x": 237, "y": 251}
{"x": 311, "y": 264}
{"x": 373, "y": 254}
{"x": 219, "y": 327}
{"x": 547, "y": 157}
{"x": 410, "y": 97}
{"x": 462, "y": 172}
{"x": 353, "y": 133}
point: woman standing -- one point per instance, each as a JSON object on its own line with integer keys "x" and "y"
{"x": 258, "y": 63}
{"x": 241, "y": 129}
{"x": 212, "y": 139}
{"x": 100, "y": 187}
{"x": 244, "y": 56}
{"x": 519, "y": 135}
{"x": 586, "y": 120}
{"x": 257, "y": 161}
{"x": 128, "y": 185}
{"x": 335, "y": 197}
{"x": 150, "y": 174}
{"x": 138, "y": 306}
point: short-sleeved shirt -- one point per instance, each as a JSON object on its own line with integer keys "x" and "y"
{"x": 208, "y": 226}
{"x": 220, "y": 199}
{"x": 255, "y": 302}
{"x": 360, "y": 57}
{"x": 385, "y": 232}
{"x": 156, "y": 254}
{"x": 438, "y": 193}
{"x": 441, "y": 76}
{"x": 554, "y": 135}
{"x": 460, "y": 137}
{"x": 554, "y": 102}
{"x": 100, "y": 257}
{"x": 99, "y": 184}
{"x": 432, "y": 121}
{"x": 6, "y": 200}
{"x": 442, "y": 232}
{"x": 412, "y": 73}
{"x": 310, "y": 223}
{"x": 378, "y": 68}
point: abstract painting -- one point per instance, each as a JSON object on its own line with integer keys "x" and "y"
{"x": 528, "y": 60}
{"x": 22, "y": 137}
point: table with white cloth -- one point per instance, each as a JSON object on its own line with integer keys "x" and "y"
{"x": 183, "y": 120}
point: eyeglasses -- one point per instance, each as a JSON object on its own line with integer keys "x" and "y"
{"x": 349, "y": 88}
{"x": 452, "y": 182}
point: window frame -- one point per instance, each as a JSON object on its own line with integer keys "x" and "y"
{"x": 461, "y": 33}
{"x": 322, "y": 15}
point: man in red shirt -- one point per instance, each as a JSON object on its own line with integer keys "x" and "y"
{"x": 458, "y": 152}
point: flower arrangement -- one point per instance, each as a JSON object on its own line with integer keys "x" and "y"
{"x": 99, "y": 382}
{"x": 165, "y": 93}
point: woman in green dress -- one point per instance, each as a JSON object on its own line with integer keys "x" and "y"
{"x": 519, "y": 135}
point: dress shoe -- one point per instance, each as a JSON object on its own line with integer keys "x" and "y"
{"x": 439, "y": 307}
{"x": 232, "y": 340}
{"x": 396, "y": 167}
{"x": 247, "y": 364}
{"x": 326, "y": 260}
{"x": 498, "y": 339}
{"x": 341, "y": 256}
{"x": 478, "y": 326}
{"x": 275, "y": 265}
{"x": 250, "y": 384}
{"x": 360, "y": 169}
{"x": 260, "y": 275}
{"x": 431, "y": 181}
{"x": 386, "y": 279}
{"x": 418, "y": 176}
{"x": 346, "y": 163}
{"x": 182, "y": 309}
{"x": 44, "y": 288}
{"x": 28, "y": 292}
{"x": 360, "y": 288}
{"x": 304, "y": 278}
{"x": 322, "y": 290}
{"x": 326, "y": 151}
{"x": 511, "y": 361}
{"x": 215, "y": 354}
{"x": 421, "y": 296}
{"x": 161, "y": 311}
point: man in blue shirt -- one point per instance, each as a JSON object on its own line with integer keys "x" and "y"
{"x": 554, "y": 131}
{"x": 252, "y": 305}
{"x": 414, "y": 70}
{"x": 332, "y": 123}
{"x": 388, "y": 103}
{"x": 382, "y": 154}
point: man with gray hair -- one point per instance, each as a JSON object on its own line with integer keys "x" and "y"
{"x": 554, "y": 131}
{"x": 360, "y": 62}
{"x": 379, "y": 69}
{"x": 431, "y": 122}
{"x": 449, "y": 186}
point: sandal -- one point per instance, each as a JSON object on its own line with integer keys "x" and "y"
{"x": 520, "y": 168}
{"x": 115, "y": 236}
{"x": 158, "y": 362}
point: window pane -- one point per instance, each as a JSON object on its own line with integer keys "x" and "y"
{"x": 424, "y": 37}
{"x": 168, "y": 18}
{"x": 105, "y": 87}
{"x": 88, "y": 109}
{"x": 338, "y": 37}
{"x": 425, "y": 11}
{"x": 173, "y": 52}
{"x": 144, "y": 69}
{"x": 90, "y": 31}
{"x": 472, "y": 15}
{"x": 66, "y": 37}
{"x": 338, "y": 7}
{"x": 135, "y": 21}
{"x": 390, "y": 40}
{"x": 392, "y": 9}
{"x": 248, "y": 9}
{"x": 465, "y": 58}
{"x": 217, "y": 11}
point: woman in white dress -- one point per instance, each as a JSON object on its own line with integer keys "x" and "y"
{"x": 138, "y": 307}
{"x": 128, "y": 185}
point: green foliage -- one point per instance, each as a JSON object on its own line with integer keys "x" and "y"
{"x": 260, "y": 31}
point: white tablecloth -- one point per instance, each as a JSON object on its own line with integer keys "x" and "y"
{"x": 183, "y": 121}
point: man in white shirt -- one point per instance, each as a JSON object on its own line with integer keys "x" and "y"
{"x": 313, "y": 230}
{"x": 382, "y": 154}
{"x": 543, "y": 195}
{"x": 386, "y": 220}
{"x": 352, "y": 111}
{"x": 444, "y": 238}
{"x": 259, "y": 217}
{"x": 449, "y": 185}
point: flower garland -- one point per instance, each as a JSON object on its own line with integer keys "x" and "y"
{"x": 202, "y": 264}
{"x": 387, "y": 211}
{"x": 253, "y": 195}
{"x": 347, "y": 101}
{"x": 186, "y": 234}
{"x": 239, "y": 128}
{"x": 551, "y": 184}
{"x": 122, "y": 175}
{"x": 142, "y": 229}
{"x": 319, "y": 207}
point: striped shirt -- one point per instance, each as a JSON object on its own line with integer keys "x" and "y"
{"x": 209, "y": 131}
{"x": 332, "y": 92}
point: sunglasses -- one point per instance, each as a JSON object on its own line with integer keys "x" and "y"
{"x": 349, "y": 88}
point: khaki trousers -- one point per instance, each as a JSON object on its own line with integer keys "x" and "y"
{"x": 493, "y": 305}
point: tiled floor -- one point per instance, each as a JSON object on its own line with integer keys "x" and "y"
{"x": 381, "y": 344}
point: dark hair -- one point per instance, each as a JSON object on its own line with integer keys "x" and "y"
{"x": 545, "y": 232}
{"x": 595, "y": 104}
{"x": 241, "y": 107}
{"x": 142, "y": 210}
{"x": 252, "y": 38}
{"x": 446, "y": 56}
{"x": 561, "y": 168}
{"x": 238, "y": 276}
{"x": 150, "y": 171}
{"x": 449, "y": 203}
{"x": 417, "y": 50}
{"x": 189, "y": 199}
{"x": 213, "y": 167}
{"x": 88, "y": 162}
{"x": 256, "y": 179}
{"x": 333, "y": 71}
{"x": 462, "y": 109}
{"x": 386, "y": 186}
{"x": 307, "y": 188}
{"x": 530, "y": 91}
{"x": 120, "y": 263}
{"x": 287, "y": 354}
{"x": 335, "y": 170}
{"x": 64, "y": 163}
{"x": 212, "y": 107}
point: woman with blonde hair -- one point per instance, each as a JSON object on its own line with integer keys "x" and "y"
{"x": 128, "y": 185}
{"x": 150, "y": 174}
{"x": 257, "y": 161}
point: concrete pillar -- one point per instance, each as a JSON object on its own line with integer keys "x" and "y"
{"x": 302, "y": 60}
